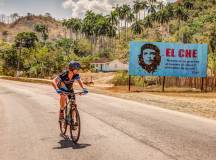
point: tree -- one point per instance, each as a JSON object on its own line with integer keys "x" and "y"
{"x": 120, "y": 13}
{"x": 160, "y": 5}
{"x": 65, "y": 44}
{"x": 188, "y": 4}
{"x": 137, "y": 7}
{"x": 5, "y": 35}
{"x": 182, "y": 15}
{"x": 212, "y": 41}
{"x": 3, "y": 18}
{"x": 88, "y": 27}
{"x": 113, "y": 19}
{"x": 130, "y": 19}
{"x": 24, "y": 40}
{"x": 29, "y": 14}
{"x": 64, "y": 24}
{"x": 144, "y": 6}
{"x": 148, "y": 22}
{"x": 170, "y": 10}
{"x": 152, "y": 6}
{"x": 43, "y": 29}
{"x": 126, "y": 11}
{"x": 47, "y": 14}
{"x": 8, "y": 59}
{"x": 162, "y": 17}
{"x": 14, "y": 16}
{"x": 137, "y": 27}
{"x": 76, "y": 27}
{"x": 82, "y": 48}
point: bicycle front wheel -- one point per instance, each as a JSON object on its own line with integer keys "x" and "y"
{"x": 63, "y": 124}
{"x": 75, "y": 126}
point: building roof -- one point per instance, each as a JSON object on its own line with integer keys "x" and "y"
{"x": 102, "y": 60}
{"x": 106, "y": 60}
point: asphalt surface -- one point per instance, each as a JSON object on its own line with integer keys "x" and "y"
{"x": 112, "y": 128}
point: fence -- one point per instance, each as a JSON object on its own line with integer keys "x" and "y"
{"x": 209, "y": 83}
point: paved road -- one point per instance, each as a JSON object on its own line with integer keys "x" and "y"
{"x": 112, "y": 129}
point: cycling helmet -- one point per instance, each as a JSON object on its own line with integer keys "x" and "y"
{"x": 74, "y": 65}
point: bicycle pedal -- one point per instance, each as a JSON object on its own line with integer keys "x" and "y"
{"x": 74, "y": 127}
{"x": 61, "y": 120}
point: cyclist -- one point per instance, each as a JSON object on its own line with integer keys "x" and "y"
{"x": 64, "y": 83}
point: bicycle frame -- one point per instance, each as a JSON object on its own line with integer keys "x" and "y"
{"x": 68, "y": 109}
{"x": 71, "y": 114}
{"x": 73, "y": 104}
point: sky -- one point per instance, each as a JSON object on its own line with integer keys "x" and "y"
{"x": 59, "y": 8}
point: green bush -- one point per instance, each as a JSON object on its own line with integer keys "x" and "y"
{"x": 121, "y": 78}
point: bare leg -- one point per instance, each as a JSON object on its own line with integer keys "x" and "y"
{"x": 62, "y": 101}
{"x": 74, "y": 114}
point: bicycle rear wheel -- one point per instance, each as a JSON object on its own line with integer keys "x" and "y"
{"x": 63, "y": 124}
{"x": 75, "y": 126}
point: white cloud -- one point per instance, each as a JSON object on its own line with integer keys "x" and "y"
{"x": 79, "y": 7}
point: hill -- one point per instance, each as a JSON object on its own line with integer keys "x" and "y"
{"x": 27, "y": 24}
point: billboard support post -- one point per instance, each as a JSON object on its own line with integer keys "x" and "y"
{"x": 163, "y": 85}
{"x": 202, "y": 83}
{"x": 129, "y": 83}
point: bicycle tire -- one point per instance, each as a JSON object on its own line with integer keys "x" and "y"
{"x": 75, "y": 136}
{"x": 63, "y": 124}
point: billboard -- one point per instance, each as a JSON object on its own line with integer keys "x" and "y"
{"x": 168, "y": 59}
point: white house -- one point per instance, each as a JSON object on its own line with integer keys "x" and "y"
{"x": 106, "y": 65}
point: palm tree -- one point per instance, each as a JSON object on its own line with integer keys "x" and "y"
{"x": 144, "y": 6}
{"x": 162, "y": 17}
{"x": 113, "y": 19}
{"x": 212, "y": 40}
{"x": 47, "y": 14}
{"x": 43, "y": 29}
{"x": 126, "y": 12}
{"x": 5, "y": 35}
{"x": 3, "y": 18}
{"x": 137, "y": 27}
{"x": 137, "y": 7}
{"x": 64, "y": 24}
{"x": 182, "y": 15}
{"x": 170, "y": 10}
{"x": 14, "y": 16}
{"x": 147, "y": 23}
{"x": 88, "y": 26}
{"x": 188, "y": 4}
{"x": 130, "y": 19}
{"x": 152, "y": 6}
{"x": 151, "y": 9}
{"x": 77, "y": 26}
{"x": 119, "y": 11}
{"x": 213, "y": 1}
{"x": 160, "y": 5}
{"x": 70, "y": 26}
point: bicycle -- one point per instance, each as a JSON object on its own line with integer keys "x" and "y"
{"x": 72, "y": 117}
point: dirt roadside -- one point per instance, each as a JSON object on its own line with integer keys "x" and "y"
{"x": 184, "y": 100}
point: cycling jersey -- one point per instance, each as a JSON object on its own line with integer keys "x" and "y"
{"x": 63, "y": 78}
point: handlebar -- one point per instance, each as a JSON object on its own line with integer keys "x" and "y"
{"x": 72, "y": 93}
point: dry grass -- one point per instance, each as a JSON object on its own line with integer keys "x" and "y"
{"x": 179, "y": 99}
